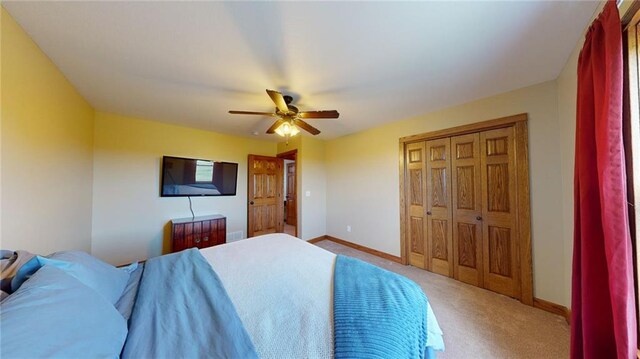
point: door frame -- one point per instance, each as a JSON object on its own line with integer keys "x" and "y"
{"x": 291, "y": 208}
{"x": 293, "y": 155}
{"x": 519, "y": 123}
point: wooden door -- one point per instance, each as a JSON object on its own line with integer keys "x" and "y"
{"x": 291, "y": 194}
{"x": 416, "y": 190}
{"x": 265, "y": 210}
{"x": 500, "y": 232}
{"x": 467, "y": 209}
{"x": 439, "y": 234}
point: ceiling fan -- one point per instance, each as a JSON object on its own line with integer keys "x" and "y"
{"x": 289, "y": 117}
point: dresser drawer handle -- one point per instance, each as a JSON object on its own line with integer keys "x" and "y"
{"x": 197, "y": 240}
{"x": 206, "y": 239}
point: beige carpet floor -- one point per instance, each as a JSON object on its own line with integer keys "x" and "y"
{"x": 478, "y": 323}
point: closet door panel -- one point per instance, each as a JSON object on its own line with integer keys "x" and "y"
{"x": 500, "y": 238}
{"x": 439, "y": 234}
{"x": 416, "y": 194}
{"x": 467, "y": 209}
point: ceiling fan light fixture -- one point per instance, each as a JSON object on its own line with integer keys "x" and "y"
{"x": 289, "y": 120}
{"x": 287, "y": 130}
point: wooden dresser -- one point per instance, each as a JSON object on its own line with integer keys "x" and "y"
{"x": 199, "y": 232}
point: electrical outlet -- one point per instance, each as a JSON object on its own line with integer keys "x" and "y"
{"x": 349, "y": 228}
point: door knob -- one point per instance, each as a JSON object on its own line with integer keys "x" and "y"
{"x": 479, "y": 218}
{"x": 428, "y": 213}
{"x": 251, "y": 202}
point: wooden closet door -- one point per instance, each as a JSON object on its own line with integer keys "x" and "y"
{"x": 500, "y": 232}
{"x": 416, "y": 197}
{"x": 467, "y": 209}
{"x": 439, "y": 234}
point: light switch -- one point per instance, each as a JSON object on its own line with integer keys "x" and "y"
{"x": 307, "y": 194}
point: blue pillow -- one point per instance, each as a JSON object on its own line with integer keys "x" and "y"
{"x": 54, "y": 315}
{"x": 102, "y": 277}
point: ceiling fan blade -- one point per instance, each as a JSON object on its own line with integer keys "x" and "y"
{"x": 305, "y": 126}
{"x": 251, "y": 113}
{"x": 319, "y": 114}
{"x": 275, "y": 125}
{"x": 277, "y": 98}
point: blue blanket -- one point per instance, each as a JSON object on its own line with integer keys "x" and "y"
{"x": 183, "y": 311}
{"x": 377, "y": 313}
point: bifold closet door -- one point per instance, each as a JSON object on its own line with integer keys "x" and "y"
{"x": 416, "y": 224}
{"x": 439, "y": 234}
{"x": 467, "y": 210}
{"x": 500, "y": 237}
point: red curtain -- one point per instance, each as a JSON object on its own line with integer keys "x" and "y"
{"x": 603, "y": 324}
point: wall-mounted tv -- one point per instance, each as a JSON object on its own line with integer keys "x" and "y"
{"x": 184, "y": 177}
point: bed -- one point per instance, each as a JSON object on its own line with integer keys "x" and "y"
{"x": 272, "y": 296}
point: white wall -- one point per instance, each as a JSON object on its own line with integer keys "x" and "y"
{"x": 130, "y": 219}
{"x": 363, "y": 179}
{"x": 567, "y": 98}
{"x": 311, "y": 174}
{"x": 313, "y": 182}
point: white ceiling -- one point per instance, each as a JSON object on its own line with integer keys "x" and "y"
{"x": 375, "y": 62}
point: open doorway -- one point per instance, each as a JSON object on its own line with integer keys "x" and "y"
{"x": 291, "y": 193}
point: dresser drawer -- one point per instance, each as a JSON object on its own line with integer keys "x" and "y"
{"x": 199, "y": 232}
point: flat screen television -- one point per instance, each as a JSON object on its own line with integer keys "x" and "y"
{"x": 184, "y": 177}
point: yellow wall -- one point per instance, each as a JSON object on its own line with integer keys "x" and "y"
{"x": 129, "y": 216}
{"x": 60, "y": 190}
{"x": 312, "y": 179}
{"x": 47, "y": 150}
{"x": 363, "y": 178}
{"x": 1, "y": 16}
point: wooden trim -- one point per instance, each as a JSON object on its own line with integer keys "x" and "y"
{"x": 368, "y": 250}
{"x": 289, "y": 155}
{"x": 466, "y": 129}
{"x": 554, "y": 308}
{"x": 631, "y": 12}
{"x": 519, "y": 123}
{"x": 403, "y": 230}
{"x": 524, "y": 212}
{"x": 317, "y": 239}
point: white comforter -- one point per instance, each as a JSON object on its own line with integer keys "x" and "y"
{"x": 282, "y": 288}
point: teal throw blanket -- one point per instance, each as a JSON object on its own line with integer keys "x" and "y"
{"x": 377, "y": 313}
